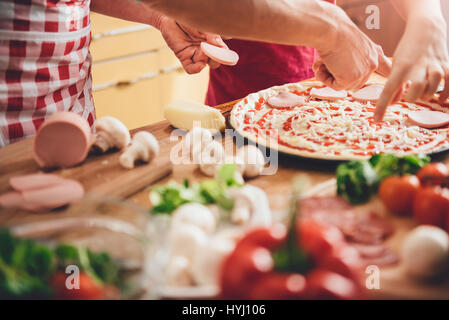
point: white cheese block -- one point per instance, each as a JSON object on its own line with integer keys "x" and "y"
{"x": 184, "y": 114}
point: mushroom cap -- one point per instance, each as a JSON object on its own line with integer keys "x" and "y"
{"x": 425, "y": 251}
{"x": 194, "y": 214}
{"x": 183, "y": 239}
{"x": 213, "y": 153}
{"x": 257, "y": 201}
{"x": 208, "y": 258}
{"x": 117, "y": 133}
{"x": 148, "y": 141}
{"x": 253, "y": 159}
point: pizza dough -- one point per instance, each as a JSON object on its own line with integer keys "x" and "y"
{"x": 286, "y": 99}
{"x": 221, "y": 55}
{"x": 342, "y": 129}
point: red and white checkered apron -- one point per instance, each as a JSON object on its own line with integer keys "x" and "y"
{"x": 44, "y": 64}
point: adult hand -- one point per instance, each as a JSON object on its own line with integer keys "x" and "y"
{"x": 420, "y": 62}
{"x": 185, "y": 43}
{"x": 348, "y": 60}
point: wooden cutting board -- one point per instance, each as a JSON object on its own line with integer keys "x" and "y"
{"x": 99, "y": 174}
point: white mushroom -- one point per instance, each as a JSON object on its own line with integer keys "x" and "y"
{"x": 195, "y": 141}
{"x": 194, "y": 214}
{"x": 144, "y": 147}
{"x": 211, "y": 157}
{"x": 250, "y": 206}
{"x": 111, "y": 133}
{"x": 184, "y": 239}
{"x": 207, "y": 260}
{"x": 178, "y": 272}
{"x": 425, "y": 252}
{"x": 253, "y": 159}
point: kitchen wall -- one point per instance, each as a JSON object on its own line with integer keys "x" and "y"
{"x": 135, "y": 75}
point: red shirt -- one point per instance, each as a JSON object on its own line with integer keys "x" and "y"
{"x": 261, "y": 65}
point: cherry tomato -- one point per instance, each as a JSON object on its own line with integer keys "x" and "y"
{"x": 431, "y": 206}
{"x": 397, "y": 193}
{"x": 324, "y": 284}
{"x": 344, "y": 260}
{"x": 316, "y": 238}
{"x": 88, "y": 288}
{"x": 241, "y": 268}
{"x": 431, "y": 171}
{"x": 279, "y": 286}
{"x": 270, "y": 238}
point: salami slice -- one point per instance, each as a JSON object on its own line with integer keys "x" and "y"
{"x": 286, "y": 99}
{"x": 11, "y": 200}
{"x": 34, "y": 181}
{"x": 368, "y": 94}
{"x": 55, "y": 196}
{"x": 221, "y": 55}
{"x": 327, "y": 93}
{"x": 388, "y": 258}
{"x": 429, "y": 119}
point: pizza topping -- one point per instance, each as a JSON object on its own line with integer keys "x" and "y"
{"x": 327, "y": 93}
{"x": 342, "y": 129}
{"x": 286, "y": 99}
{"x": 221, "y": 55}
{"x": 368, "y": 94}
{"x": 429, "y": 119}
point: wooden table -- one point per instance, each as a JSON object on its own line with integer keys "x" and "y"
{"x": 17, "y": 159}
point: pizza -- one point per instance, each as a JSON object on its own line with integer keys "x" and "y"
{"x": 310, "y": 120}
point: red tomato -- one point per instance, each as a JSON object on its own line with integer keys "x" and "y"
{"x": 324, "y": 284}
{"x": 316, "y": 238}
{"x": 431, "y": 206}
{"x": 344, "y": 260}
{"x": 397, "y": 193}
{"x": 433, "y": 170}
{"x": 279, "y": 286}
{"x": 241, "y": 268}
{"x": 88, "y": 288}
{"x": 269, "y": 238}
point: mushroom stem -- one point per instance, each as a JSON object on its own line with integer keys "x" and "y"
{"x": 102, "y": 141}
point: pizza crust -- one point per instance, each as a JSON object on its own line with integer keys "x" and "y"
{"x": 258, "y": 100}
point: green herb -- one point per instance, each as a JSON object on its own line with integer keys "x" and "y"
{"x": 167, "y": 198}
{"x": 26, "y": 266}
{"x": 355, "y": 180}
{"x": 358, "y": 180}
{"x": 291, "y": 257}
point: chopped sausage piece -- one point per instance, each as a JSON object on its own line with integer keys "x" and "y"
{"x": 34, "y": 181}
{"x": 286, "y": 99}
{"x": 55, "y": 196}
{"x": 222, "y": 55}
{"x": 327, "y": 93}
{"x": 429, "y": 119}
{"x": 368, "y": 94}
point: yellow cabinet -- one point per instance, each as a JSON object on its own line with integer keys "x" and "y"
{"x": 135, "y": 75}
